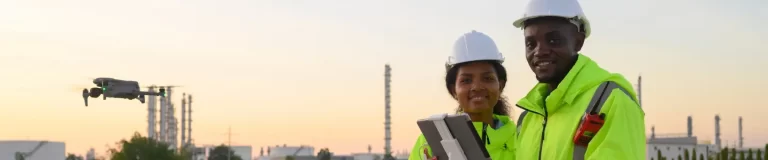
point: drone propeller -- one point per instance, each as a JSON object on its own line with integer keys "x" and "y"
{"x": 85, "y": 96}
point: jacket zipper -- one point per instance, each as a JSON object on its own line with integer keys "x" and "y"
{"x": 544, "y": 127}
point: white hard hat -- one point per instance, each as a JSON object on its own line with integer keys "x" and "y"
{"x": 569, "y": 9}
{"x": 474, "y": 46}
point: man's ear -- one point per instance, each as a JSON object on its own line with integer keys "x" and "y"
{"x": 579, "y": 41}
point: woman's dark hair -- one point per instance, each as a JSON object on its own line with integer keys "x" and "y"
{"x": 501, "y": 107}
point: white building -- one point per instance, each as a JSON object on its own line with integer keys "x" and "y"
{"x": 280, "y": 152}
{"x": 202, "y": 153}
{"x": 367, "y": 156}
{"x": 46, "y": 150}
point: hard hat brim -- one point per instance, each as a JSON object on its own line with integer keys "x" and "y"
{"x": 520, "y": 23}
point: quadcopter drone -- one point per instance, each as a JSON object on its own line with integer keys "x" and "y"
{"x": 116, "y": 88}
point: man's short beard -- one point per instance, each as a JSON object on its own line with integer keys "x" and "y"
{"x": 555, "y": 79}
{"x": 559, "y": 74}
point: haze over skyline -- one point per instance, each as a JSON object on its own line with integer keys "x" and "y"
{"x": 312, "y": 72}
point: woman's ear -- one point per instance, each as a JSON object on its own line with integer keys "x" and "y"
{"x": 453, "y": 93}
{"x": 502, "y": 84}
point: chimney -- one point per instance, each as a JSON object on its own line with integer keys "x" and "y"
{"x": 717, "y": 132}
{"x": 741, "y": 138}
{"x": 690, "y": 126}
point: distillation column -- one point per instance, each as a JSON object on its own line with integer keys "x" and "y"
{"x": 172, "y": 132}
{"x": 151, "y": 103}
{"x": 163, "y": 118}
{"x": 387, "y": 118}
{"x": 189, "y": 111}
{"x": 717, "y": 132}
{"x": 741, "y": 138}
{"x": 183, "y": 120}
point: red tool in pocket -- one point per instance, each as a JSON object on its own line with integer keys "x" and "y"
{"x": 590, "y": 124}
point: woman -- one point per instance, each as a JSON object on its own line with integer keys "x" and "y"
{"x": 476, "y": 79}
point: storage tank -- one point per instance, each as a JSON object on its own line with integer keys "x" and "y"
{"x": 48, "y": 150}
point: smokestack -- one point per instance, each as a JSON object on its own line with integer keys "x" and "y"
{"x": 653, "y": 132}
{"x": 690, "y": 126}
{"x": 183, "y": 120}
{"x": 640, "y": 90}
{"x": 717, "y": 132}
{"x": 741, "y": 138}
{"x": 151, "y": 114}
{"x": 387, "y": 100}
{"x": 189, "y": 111}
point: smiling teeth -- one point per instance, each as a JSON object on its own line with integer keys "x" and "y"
{"x": 544, "y": 63}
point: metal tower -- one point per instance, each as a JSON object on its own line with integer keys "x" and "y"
{"x": 387, "y": 118}
{"x": 183, "y": 120}
{"x": 690, "y": 126}
{"x": 163, "y": 118}
{"x": 741, "y": 138}
{"x": 189, "y": 111}
{"x": 717, "y": 132}
{"x": 151, "y": 103}
{"x": 172, "y": 131}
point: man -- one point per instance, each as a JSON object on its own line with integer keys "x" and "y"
{"x": 575, "y": 98}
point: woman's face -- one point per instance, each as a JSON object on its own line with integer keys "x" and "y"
{"x": 477, "y": 87}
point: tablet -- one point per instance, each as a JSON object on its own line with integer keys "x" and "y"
{"x": 453, "y": 127}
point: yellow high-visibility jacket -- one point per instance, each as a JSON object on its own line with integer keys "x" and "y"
{"x": 548, "y": 125}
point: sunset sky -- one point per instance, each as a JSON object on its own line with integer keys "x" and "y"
{"x": 312, "y": 72}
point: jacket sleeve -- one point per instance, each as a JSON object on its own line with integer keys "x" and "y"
{"x": 623, "y": 133}
{"x": 417, "y": 153}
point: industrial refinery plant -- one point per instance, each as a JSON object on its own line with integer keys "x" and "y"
{"x": 168, "y": 122}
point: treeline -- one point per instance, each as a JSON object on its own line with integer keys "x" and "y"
{"x": 142, "y": 148}
{"x": 725, "y": 154}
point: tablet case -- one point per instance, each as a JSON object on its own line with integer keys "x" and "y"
{"x": 474, "y": 147}
{"x": 429, "y": 130}
{"x": 462, "y": 129}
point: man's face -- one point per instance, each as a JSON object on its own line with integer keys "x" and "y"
{"x": 551, "y": 44}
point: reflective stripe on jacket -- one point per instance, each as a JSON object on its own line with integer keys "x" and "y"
{"x": 546, "y": 132}
{"x": 500, "y": 146}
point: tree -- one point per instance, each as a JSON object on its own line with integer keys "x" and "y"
{"x": 766, "y": 152}
{"x": 139, "y": 147}
{"x": 687, "y": 155}
{"x": 733, "y": 153}
{"x": 223, "y": 152}
{"x": 324, "y": 154}
{"x": 724, "y": 153}
{"x": 71, "y": 156}
{"x": 759, "y": 155}
{"x": 289, "y": 158}
{"x": 658, "y": 155}
{"x": 693, "y": 154}
{"x": 749, "y": 155}
{"x": 186, "y": 152}
{"x": 741, "y": 155}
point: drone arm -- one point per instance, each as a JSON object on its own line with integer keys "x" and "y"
{"x": 152, "y": 93}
